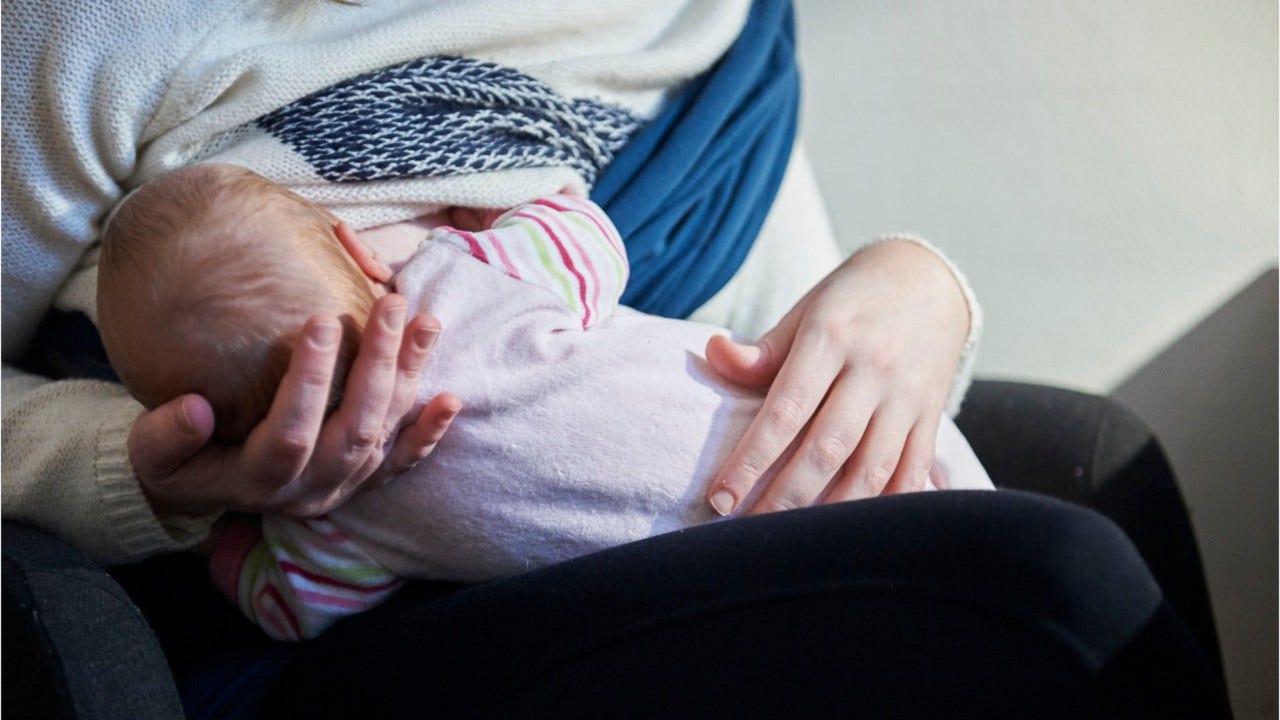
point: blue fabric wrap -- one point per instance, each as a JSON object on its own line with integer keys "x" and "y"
{"x": 691, "y": 189}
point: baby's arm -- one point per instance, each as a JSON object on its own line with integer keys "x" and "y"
{"x": 565, "y": 244}
{"x": 295, "y": 578}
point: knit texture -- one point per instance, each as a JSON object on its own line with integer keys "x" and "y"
{"x": 447, "y": 116}
{"x": 103, "y": 501}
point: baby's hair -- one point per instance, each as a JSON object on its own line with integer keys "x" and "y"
{"x": 205, "y": 278}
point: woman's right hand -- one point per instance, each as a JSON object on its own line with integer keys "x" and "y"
{"x": 295, "y": 462}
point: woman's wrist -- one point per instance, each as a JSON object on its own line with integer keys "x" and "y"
{"x": 123, "y": 501}
{"x": 939, "y": 260}
{"x": 956, "y": 294}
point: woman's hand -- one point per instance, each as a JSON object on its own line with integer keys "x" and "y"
{"x": 858, "y": 375}
{"x": 295, "y": 462}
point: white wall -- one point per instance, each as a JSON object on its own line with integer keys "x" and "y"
{"x": 1106, "y": 175}
{"x": 1104, "y": 172}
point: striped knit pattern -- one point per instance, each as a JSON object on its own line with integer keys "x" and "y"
{"x": 441, "y": 116}
{"x": 304, "y": 575}
{"x": 562, "y": 243}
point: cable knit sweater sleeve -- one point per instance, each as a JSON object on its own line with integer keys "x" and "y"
{"x": 71, "y": 476}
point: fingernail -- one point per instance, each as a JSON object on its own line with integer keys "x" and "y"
{"x": 325, "y": 335}
{"x": 194, "y": 415}
{"x": 424, "y": 336}
{"x": 722, "y": 501}
{"x": 394, "y": 316}
{"x": 185, "y": 416}
{"x": 753, "y": 355}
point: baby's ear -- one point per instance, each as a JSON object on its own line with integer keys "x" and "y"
{"x": 370, "y": 265}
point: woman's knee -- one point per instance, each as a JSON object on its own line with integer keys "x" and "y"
{"x": 1063, "y": 567}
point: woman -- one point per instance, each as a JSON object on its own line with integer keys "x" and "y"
{"x": 859, "y": 371}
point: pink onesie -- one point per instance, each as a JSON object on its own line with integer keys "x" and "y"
{"x": 585, "y": 425}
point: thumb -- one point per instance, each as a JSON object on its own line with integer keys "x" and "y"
{"x": 739, "y": 363}
{"x": 754, "y": 365}
{"x": 162, "y": 439}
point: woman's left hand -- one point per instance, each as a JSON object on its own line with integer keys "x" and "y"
{"x": 858, "y": 375}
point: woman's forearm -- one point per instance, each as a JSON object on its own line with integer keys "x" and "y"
{"x": 66, "y": 470}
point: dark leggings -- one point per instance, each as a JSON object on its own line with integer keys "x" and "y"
{"x": 965, "y": 604}
{"x": 946, "y": 605}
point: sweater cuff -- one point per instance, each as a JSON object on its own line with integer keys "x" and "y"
{"x": 969, "y": 353}
{"x": 125, "y": 506}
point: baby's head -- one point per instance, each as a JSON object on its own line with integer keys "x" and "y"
{"x": 207, "y": 274}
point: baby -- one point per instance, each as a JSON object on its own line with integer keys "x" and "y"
{"x": 585, "y": 424}
{"x": 205, "y": 274}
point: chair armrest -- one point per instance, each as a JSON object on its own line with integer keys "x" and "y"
{"x": 74, "y": 643}
{"x": 1095, "y": 452}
